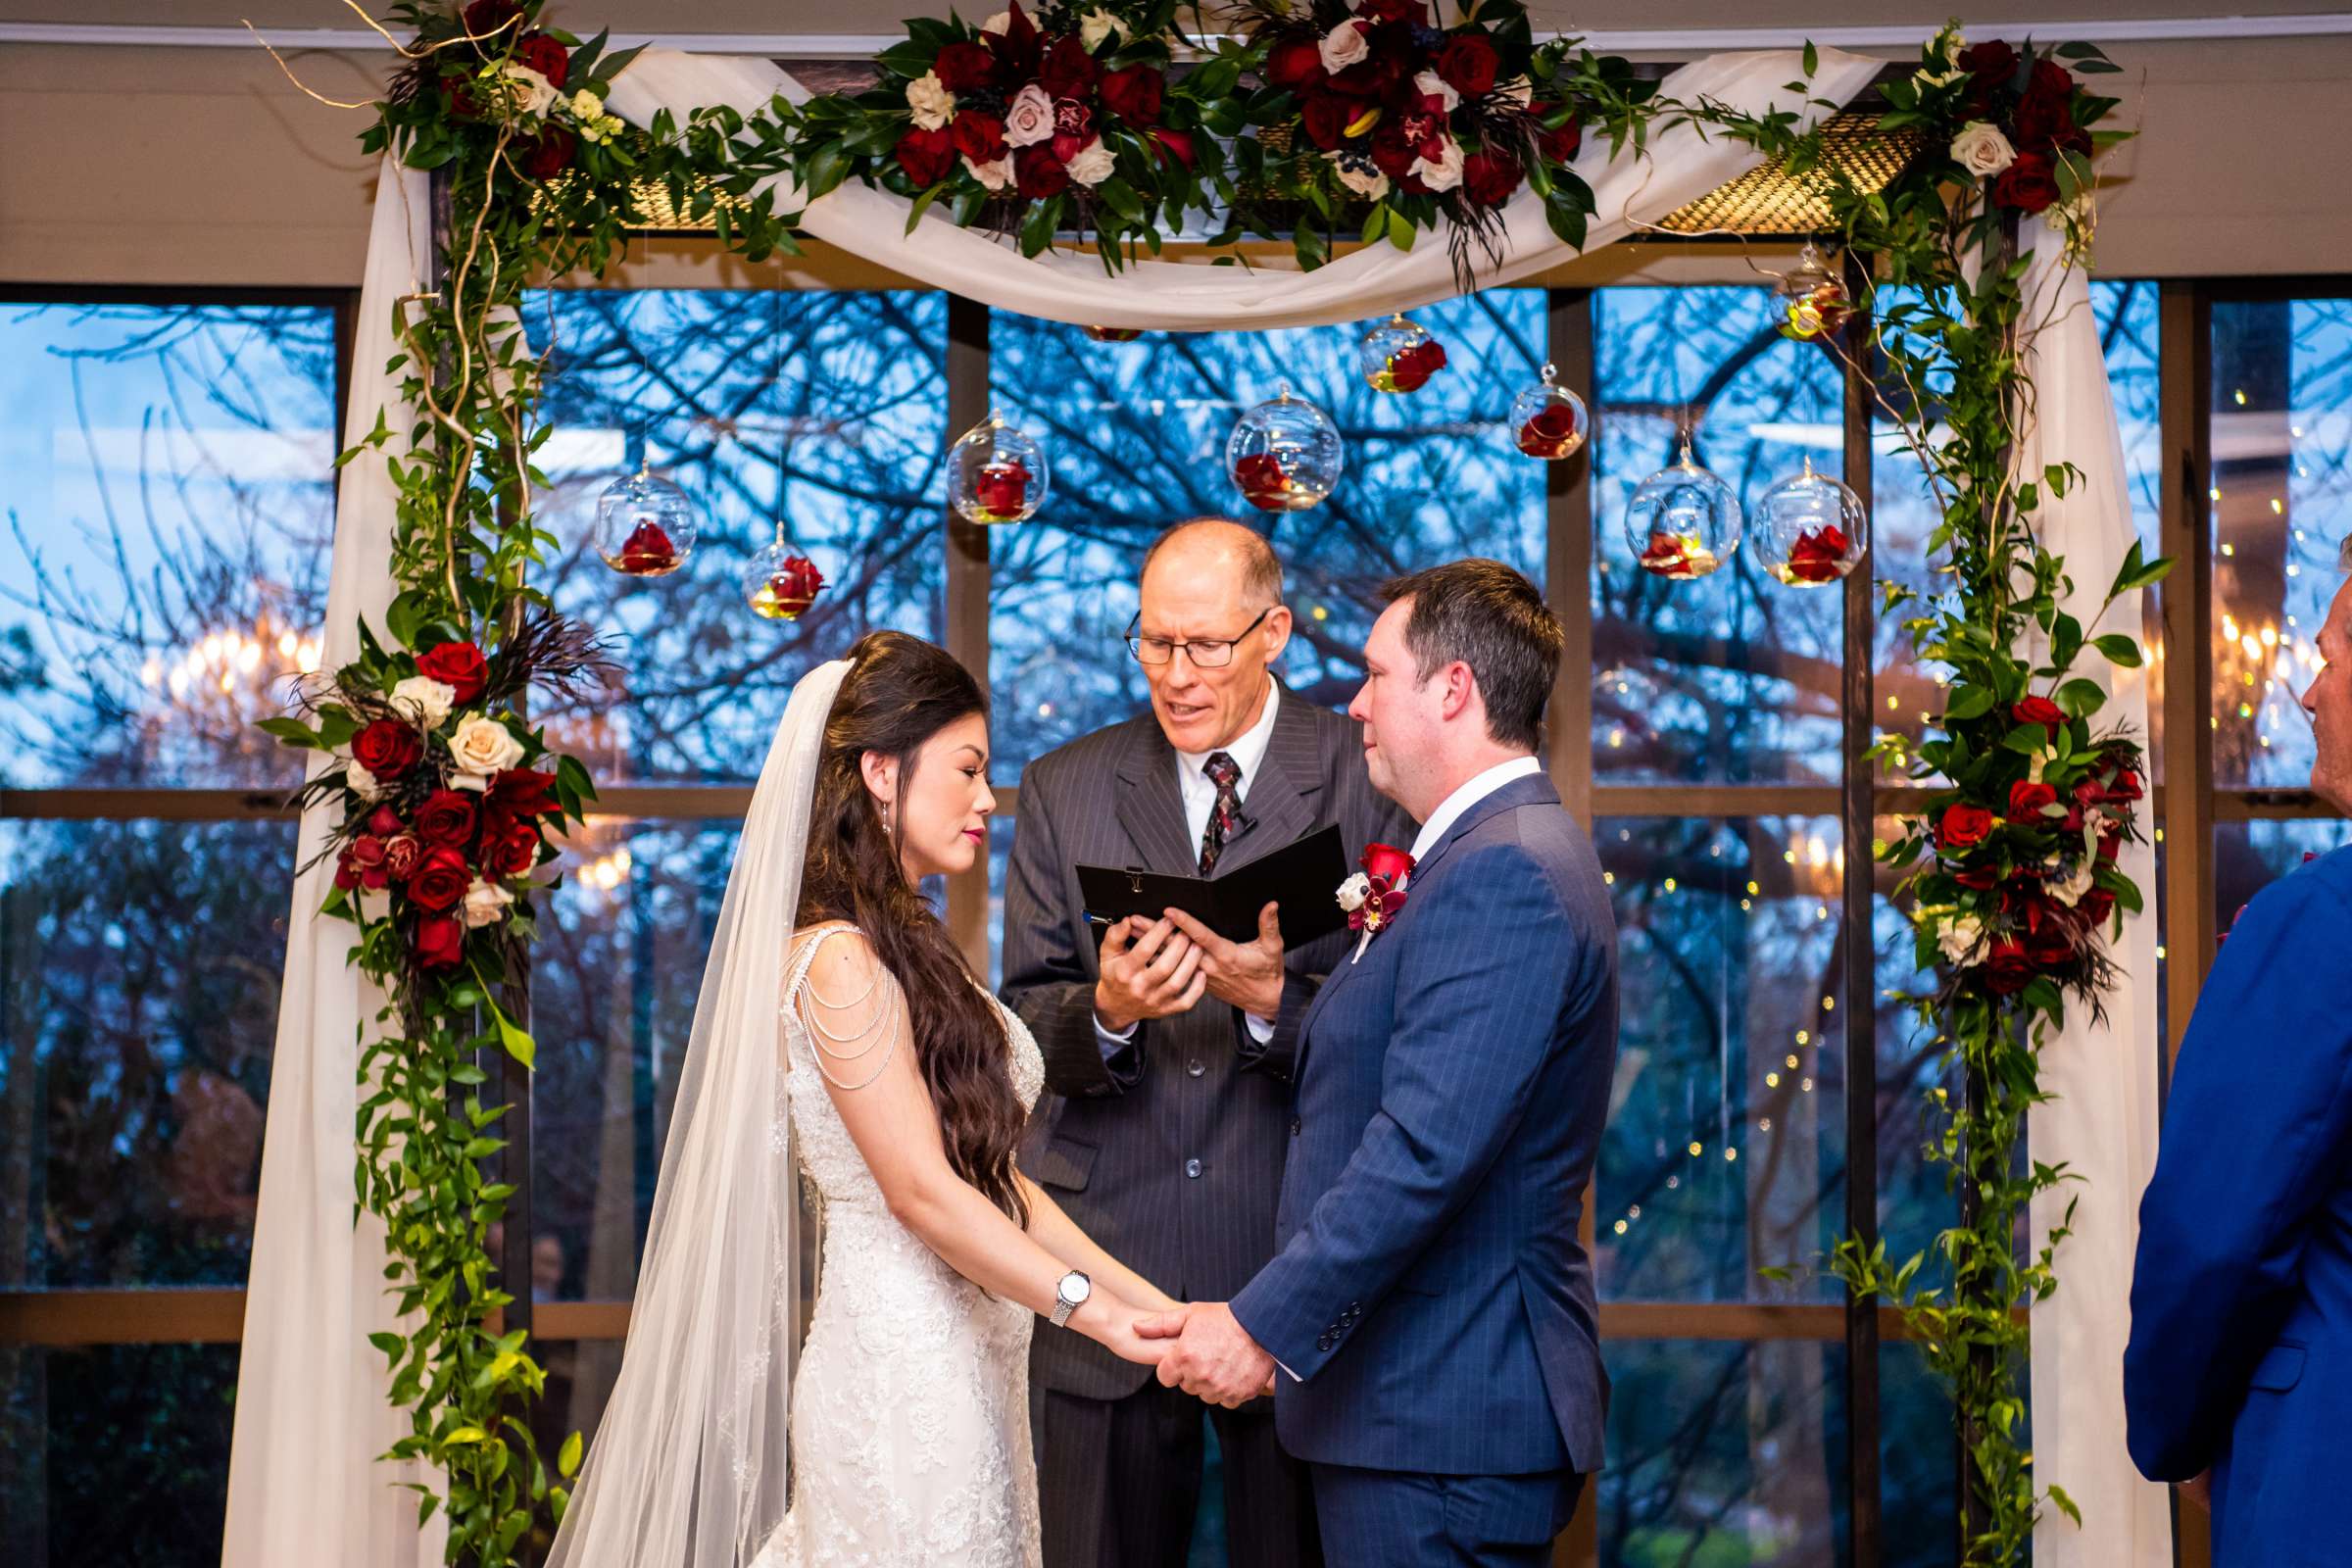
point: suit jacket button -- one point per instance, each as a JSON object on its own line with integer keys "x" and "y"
{"x": 1193, "y": 1069}
{"x": 1325, "y": 1342}
{"x": 1293, "y": 1126}
{"x": 1192, "y": 1169}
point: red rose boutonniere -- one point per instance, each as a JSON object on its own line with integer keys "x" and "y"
{"x": 1373, "y": 896}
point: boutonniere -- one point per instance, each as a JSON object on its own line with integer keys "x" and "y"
{"x": 1373, "y": 896}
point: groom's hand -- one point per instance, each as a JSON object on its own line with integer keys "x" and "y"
{"x": 1214, "y": 1356}
{"x": 1247, "y": 974}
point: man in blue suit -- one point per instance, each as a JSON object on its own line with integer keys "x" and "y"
{"x": 1428, "y": 1319}
{"x": 2240, "y": 1360}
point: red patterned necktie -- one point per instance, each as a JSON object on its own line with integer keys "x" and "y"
{"x": 1224, "y": 772}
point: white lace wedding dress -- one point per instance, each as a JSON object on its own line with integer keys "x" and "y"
{"x": 910, "y": 1436}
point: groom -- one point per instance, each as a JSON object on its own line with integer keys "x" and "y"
{"x": 1430, "y": 1309}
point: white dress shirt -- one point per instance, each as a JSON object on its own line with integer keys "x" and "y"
{"x": 1200, "y": 793}
{"x": 1450, "y": 810}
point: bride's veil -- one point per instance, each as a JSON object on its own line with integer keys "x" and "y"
{"x": 687, "y": 1469}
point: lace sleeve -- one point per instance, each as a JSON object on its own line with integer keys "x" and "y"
{"x": 851, "y": 1008}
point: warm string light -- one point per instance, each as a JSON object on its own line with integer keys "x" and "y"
{"x": 223, "y": 661}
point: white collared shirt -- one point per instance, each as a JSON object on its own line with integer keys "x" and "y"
{"x": 1450, "y": 810}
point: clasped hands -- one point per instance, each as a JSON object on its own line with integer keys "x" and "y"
{"x": 1207, "y": 1352}
{"x": 1155, "y": 968}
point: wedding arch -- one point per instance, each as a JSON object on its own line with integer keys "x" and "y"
{"x": 1103, "y": 165}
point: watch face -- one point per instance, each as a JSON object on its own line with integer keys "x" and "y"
{"x": 1076, "y": 1288}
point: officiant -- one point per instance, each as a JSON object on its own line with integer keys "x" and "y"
{"x": 1168, "y": 1053}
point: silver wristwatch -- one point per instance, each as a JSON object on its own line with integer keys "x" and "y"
{"x": 1069, "y": 1295}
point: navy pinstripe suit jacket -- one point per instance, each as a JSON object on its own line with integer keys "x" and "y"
{"x": 1430, "y": 1290}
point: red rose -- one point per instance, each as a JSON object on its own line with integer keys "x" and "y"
{"x": 1176, "y": 144}
{"x": 517, "y": 794}
{"x": 456, "y": 92}
{"x": 1003, "y": 488}
{"x": 2026, "y": 801}
{"x": 1069, "y": 71}
{"x": 1964, "y": 826}
{"x": 485, "y": 17}
{"x": 1392, "y": 153}
{"x": 2124, "y": 785}
{"x": 2049, "y": 83}
{"x": 516, "y": 853}
{"x": 1412, "y": 13}
{"x": 446, "y": 818}
{"x": 1992, "y": 64}
{"x": 977, "y": 136}
{"x": 548, "y": 154}
{"x": 1666, "y": 556}
{"x": 2111, "y": 845}
{"x": 366, "y": 857}
{"x": 1134, "y": 94}
{"x": 1819, "y": 554}
{"x": 2040, "y": 710}
{"x": 794, "y": 586}
{"x": 1326, "y": 120}
{"x": 1262, "y": 482}
{"x": 545, "y": 56}
{"x": 440, "y": 879}
{"x": 647, "y": 552}
{"x": 1549, "y": 433}
{"x": 1038, "y": 173}
{"x": 1489, "y": 178}
{"x": 402, "y": 855}
{"x": 383, "y": 821}
{"x": 965, "y": 66}
{"x": 2096, "y": 906}
{"x": 440, "y": 942}
{"x": 2052, "y": 945}
{"x": 386, "y": 748}
{"x": 1412, "y": 370}
{"x": 459, "y": 667}
{"x": 1384, "y": 860}
{"x": 2040, "y": 121}
{"x": 1294, "y": 66}
{"x": 1467, "y": 65}
{"x": 2030, "y": 184}
{"x": 2007, "y": 969}
{"x": 928, "y": 156}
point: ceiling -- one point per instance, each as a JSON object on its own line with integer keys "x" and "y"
{"x": 817, "y": 18}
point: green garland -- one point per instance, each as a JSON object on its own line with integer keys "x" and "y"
{"x": 2016, "y": 890}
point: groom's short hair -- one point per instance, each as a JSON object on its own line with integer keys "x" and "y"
{"x": 1490, "y": 617}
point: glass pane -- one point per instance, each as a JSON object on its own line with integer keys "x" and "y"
{"x": 1724, "y": 1453}
{"x": 140, "y": 1013}
{"x": 1725, "y": 1152}
{"x": 2281, "y": 457}
{"x": 1915, "y": 1198}
{"x": 114, "y": 1453}
{"x": 2248, "y": 856}
{"x": 826, "y": 410}
{"x": 614, "y": 982}
{"x": 1137, "y": 431}
{"x": 166, "y": 473}
{"x": 1919, "y": 1462}
{"x": 1729, "y": 679}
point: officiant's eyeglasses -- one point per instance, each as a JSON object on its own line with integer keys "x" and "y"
{"x": 1205, "y": 652}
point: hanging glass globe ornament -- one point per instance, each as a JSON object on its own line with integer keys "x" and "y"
{"x": 1683, "y": 521}
{"x": 1399, "y": 355}
{"x": 1284, "y": 455}
{"x": 1115, "y": 334}
{"x": 780, "y": 583}
{"x": 645, "y": 526}
{"x": 1813, "y": 297}
{"x": 1549, "y": 421}
{"x": 998, "y": 474}
{"x": 1810, "y": 530}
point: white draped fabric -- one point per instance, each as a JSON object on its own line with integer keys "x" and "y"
{"x": 2102, "y": 1125}
{"x": 304, "y": 1484}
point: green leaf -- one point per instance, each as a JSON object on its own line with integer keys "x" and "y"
{"x": 292, "y": 731}
{"x": 567, "y": 1457}
{"x": 1974, "y": 702}
{"x": 2079, "y": 698}
{"x": 2119, "y": 649}
{"x": 1812, "y": 59}
{"x": 922, "y": 203}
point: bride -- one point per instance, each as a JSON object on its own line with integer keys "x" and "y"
{"x": 840, "y": 1035}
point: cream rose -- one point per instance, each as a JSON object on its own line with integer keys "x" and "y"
{"x": 482, "y": 745}
{"x": 360, "y": 782}
{"x": 996, "y": 176}
{"x": 1519, "y": 90}
{"x": 1093, "y": 164}
{"x": 1983, "y": 149}
{"x": 1029, "y": 117}
{"x": 424, "y": 700}
{"x": 2078, "y": 883}
{"x": 1354, "y": 891}
{"x": 1344, "y": 46}
{"x": 933, "y": 105}
{"x": 1360, "y": 176}
{"x": 1097, "y": 26}
{"x": 1443, "y": 174}
{"x": 1001, "y": 24}
{"x": 532, "y": 93}
{"x": 486, "y": 902}
{"x": 1959, "y": 939}
{"x": 1432, "y": 85}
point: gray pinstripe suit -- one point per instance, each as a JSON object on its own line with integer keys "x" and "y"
{"x": 1176, "y": 1169}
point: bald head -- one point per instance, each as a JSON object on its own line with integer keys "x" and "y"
{"x": 1219, "y": 547}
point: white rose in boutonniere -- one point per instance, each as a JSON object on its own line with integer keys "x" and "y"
{"x": 933, "y": 105}
{"x": 1344, "y": 46}
{"x": 1097, "y": 26}
{"x": 485, "y": 902}
{"x": 1092, "y": 163}
{"x": 1029, "y": 117}
{"x": 1353, "y": 892}
{"x": 1983, "y": 149}
{"x": 424, "y": 700}
{"x": 1443, "y": 174}
{"x": 484, "y": 745}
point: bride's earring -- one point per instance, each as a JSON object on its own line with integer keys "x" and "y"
{"x": 886, "y": 828}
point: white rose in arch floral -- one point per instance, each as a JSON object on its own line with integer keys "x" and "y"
{"x": 933, "y": 105}
{"x": 360, "y": 782}
{"x": 1344, "y": 46}
{"x": 1094, "y": 27}
{"x": 996, "y": 176}
{"x": 482, "y": 745}
{"x": 1029, "y": 117}
{"x": 424, "y": 700}
{"x": 1432, "y": 85}
{"x": 1093, "y": 164}
{"x": 1983, "y": 149}
{"x": 1959, "y": 939}
{"x": 1001, "y": 24}
{"x": 1360, "y": 175}
{"x": 1443, "y": 174}
{"x": 533, "y": 93}
{"x": 1518, "y": 90}
{"x": 486, "y": 902}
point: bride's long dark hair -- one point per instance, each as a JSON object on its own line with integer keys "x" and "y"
{"x": 899, "y": 692}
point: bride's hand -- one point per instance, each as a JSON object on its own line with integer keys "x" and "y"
{"x": 1115, "y": 1331}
